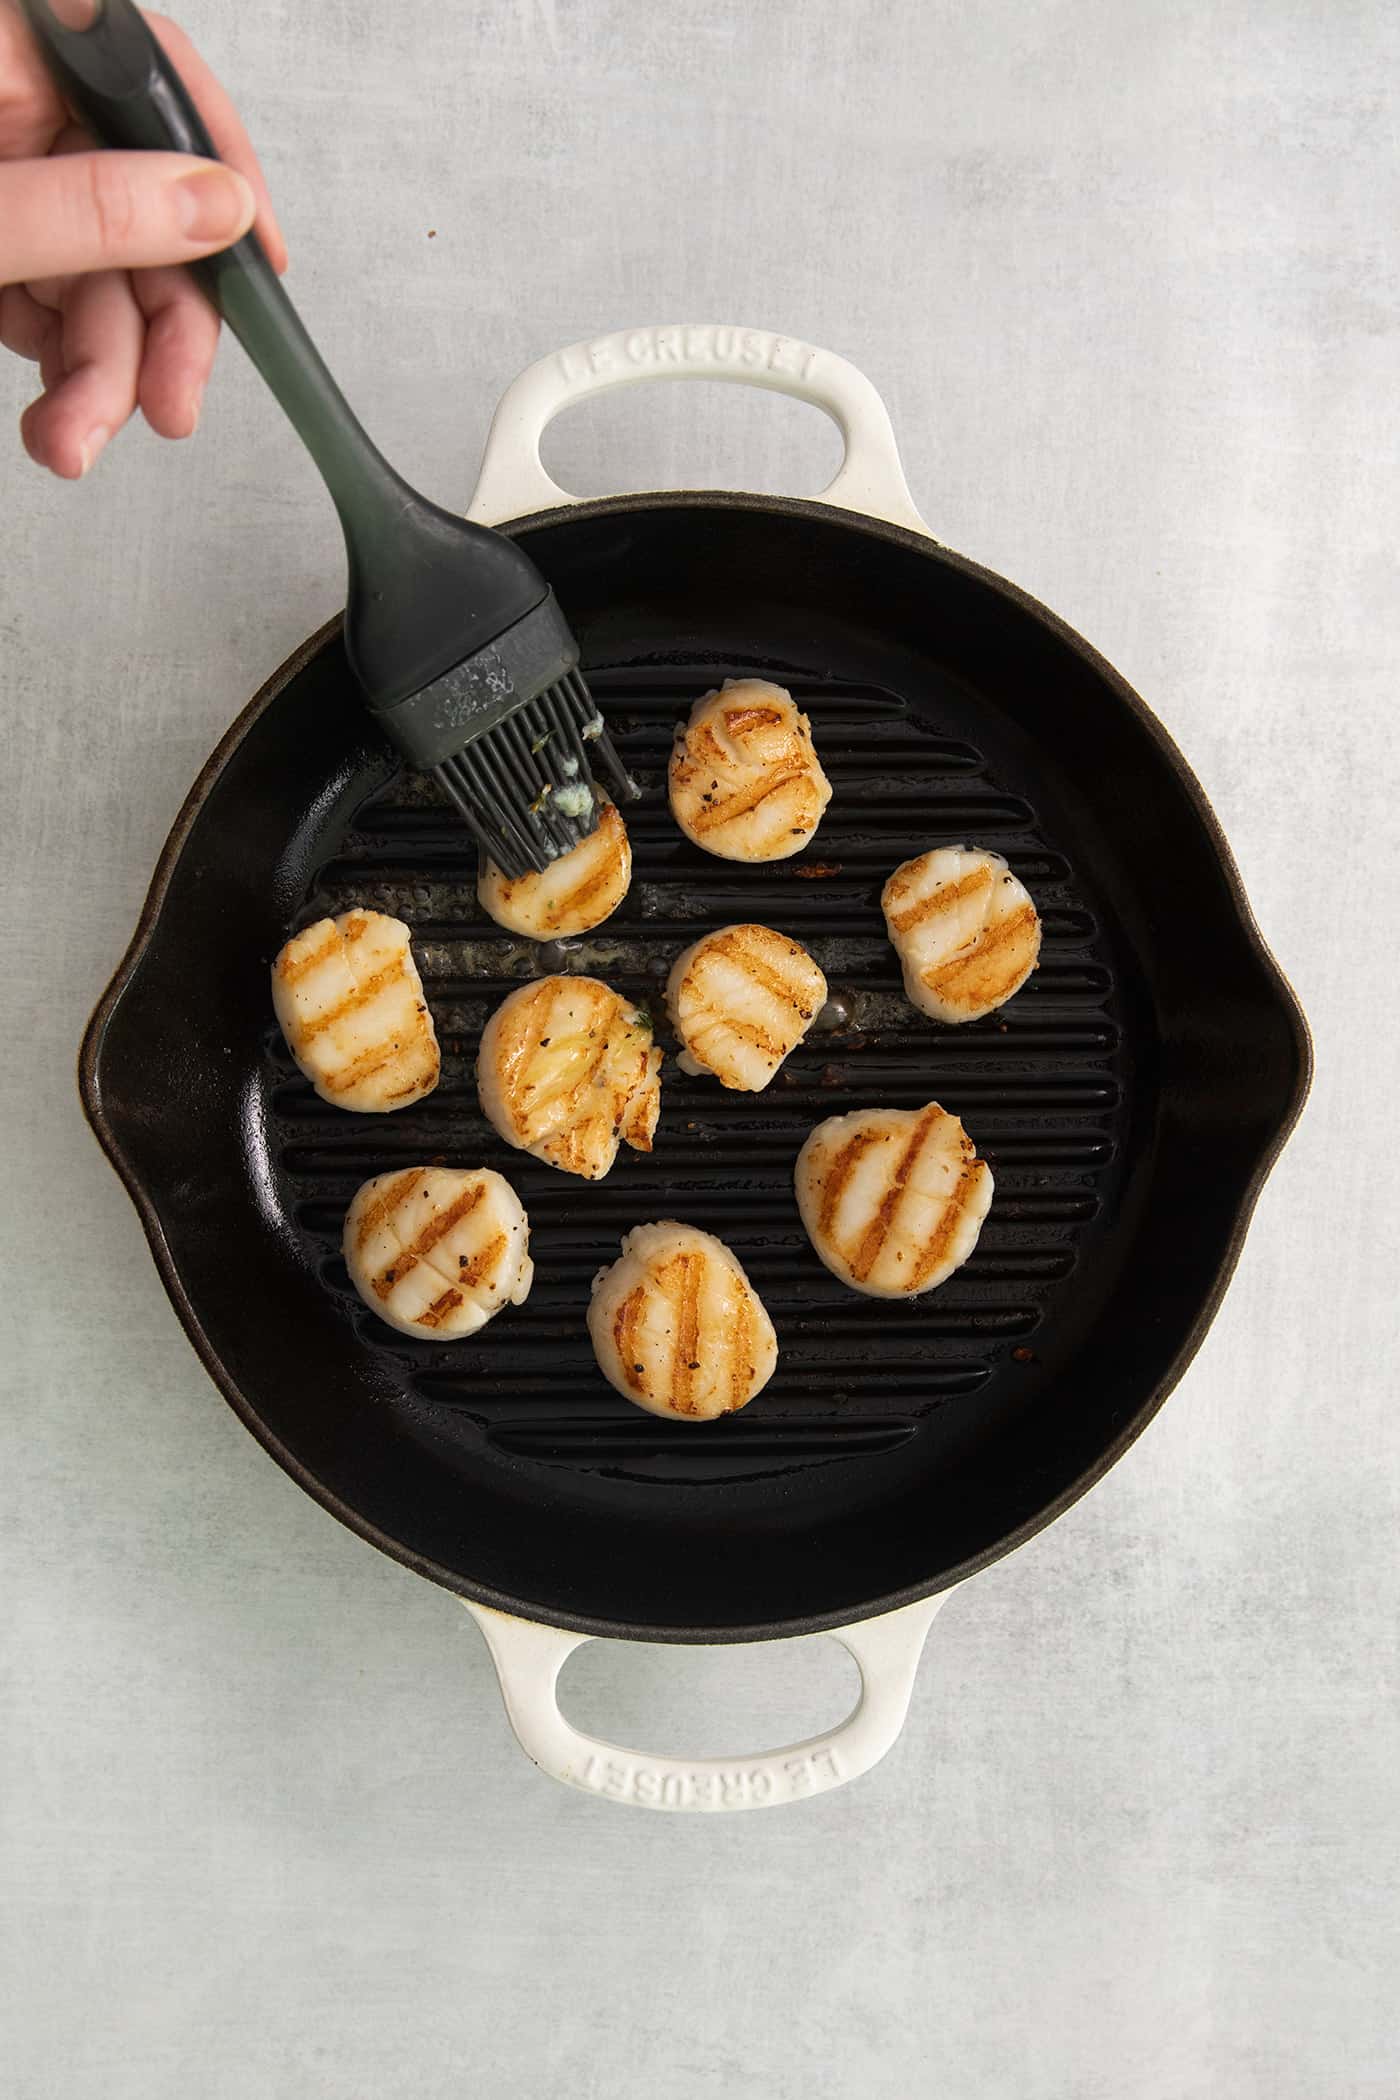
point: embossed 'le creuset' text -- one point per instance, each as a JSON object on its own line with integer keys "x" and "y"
{"x": 652, "y": 349}
{"x": 737, "y": 1786}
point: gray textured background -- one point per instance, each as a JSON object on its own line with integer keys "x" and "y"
{"x": 1127, "y": 276}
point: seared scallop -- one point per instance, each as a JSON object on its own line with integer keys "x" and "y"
{"x": 575, "y": 892}
{"x": 740, "y": 1000}
{"x": 436, "y": 1251}
{"x": 892, "y": 1198}
{"x": 746, "y": 782}
{"x": 966, "y": 931}
{"x": 566, "y": 1068}
{"x": 350, "y": 1002}
{"x": 678, "y": 1328}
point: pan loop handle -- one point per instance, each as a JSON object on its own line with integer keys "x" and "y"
{"x": 529, "y": 1656}
{"x": 513, "y": 482}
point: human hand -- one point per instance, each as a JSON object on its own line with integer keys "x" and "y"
{"x": 89, "y": 243}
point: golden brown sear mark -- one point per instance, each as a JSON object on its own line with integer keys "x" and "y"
{"x": 292, "y": 969}
{"x": 741, "y": 721}
{"x": 752, "y": 1032}
{"x": 941, "y": 900}
{"x": 476, "y": 1267}
{"x": 377, "y": 1212}
{"x": 744, "y": 801}
{"x": 840, "y": 1171}
{"x": 987, "y": 969}
{"x": 863, "y": 1260}
{"x": 582, "y": 893}
{"x": 437, "y": 1312}
{"x": 437, "y": 1229}
{"x": 686, "y": 1272}
{"x": 935, "y": 1248}
{"x": 375, "y": 1059}
{"x": 371, "y": 987}
{"x": 625, "y": 1326}
{"x": 736, "y": 946}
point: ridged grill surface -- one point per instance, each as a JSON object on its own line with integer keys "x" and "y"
{"x": 1040, "y": 1088}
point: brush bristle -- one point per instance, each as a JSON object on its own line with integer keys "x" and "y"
{"x": 525, "y": 788}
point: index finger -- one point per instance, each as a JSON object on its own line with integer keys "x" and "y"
{"x": 231, "y": 141}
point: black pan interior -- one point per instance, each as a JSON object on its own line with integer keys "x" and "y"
{"x": 1129, "y": 1100}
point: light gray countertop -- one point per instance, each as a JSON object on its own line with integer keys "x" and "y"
{"x": 1126, "y": 275}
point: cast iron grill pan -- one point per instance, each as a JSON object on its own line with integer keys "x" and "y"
{"x": 1129, "y": 1099}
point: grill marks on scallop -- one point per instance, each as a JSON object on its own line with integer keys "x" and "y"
{"x": 567, "y": 1069}
{"x": 438, "y": 1311}
{"x": 967, "y": 933}
{"x": 301, "y": 956}
{"x": 928, "y": 904}
{"x": 741, "y": 999}
{"x": 680, "y": 1282}
{"x": 438, "y": 1250}
{"x": 676, "y": 1284}
{"x": 678, "y": 1328}
{"x": 575, "y": 893}
{"x": 862, "y": 1258}
{"x": 745, "y": 780}
{"x": 998, "y": 966}
{"x": 423, "y": 1243}
{"x": 350, "y": 1003}
{"x": 744, "y": 801}
{"x": 892, "y": 1199}
{"x": 937, "y": 1250}
{"x": 392, "y": 1190}
{"x": 626, "y": 1329}
{"x": 834, "y": 1180}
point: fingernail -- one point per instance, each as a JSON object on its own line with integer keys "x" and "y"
{"x": 92, "y": 446}
{"x": 214, "y": 204}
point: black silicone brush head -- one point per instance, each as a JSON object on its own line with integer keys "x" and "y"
{"x": 468, "y": 664}
{"x": 525, "y": 789}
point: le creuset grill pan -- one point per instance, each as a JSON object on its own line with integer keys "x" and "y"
{"x": 1130, "y": 1100}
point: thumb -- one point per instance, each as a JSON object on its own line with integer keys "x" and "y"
{"x": 116, "y": 211}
